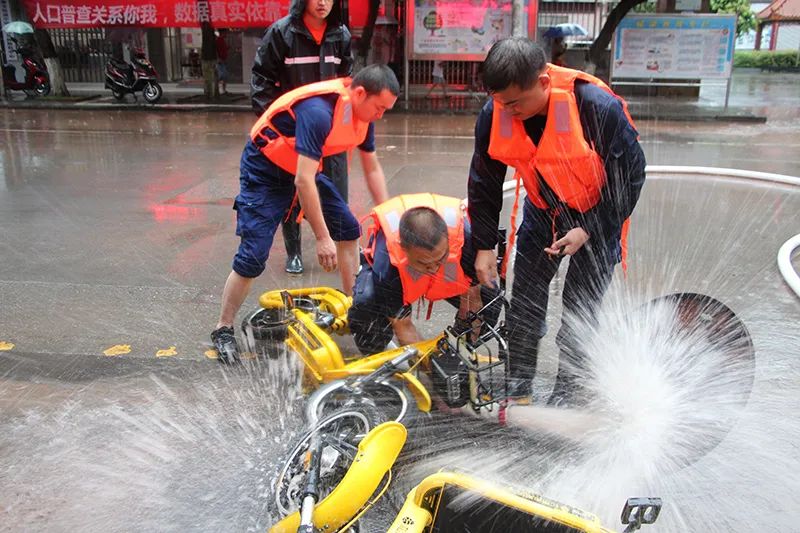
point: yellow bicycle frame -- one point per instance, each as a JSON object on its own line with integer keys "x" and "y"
{"x": 377, "y": 453}
{"x": 322, "y": 357}
{"x": 419, "y": 511}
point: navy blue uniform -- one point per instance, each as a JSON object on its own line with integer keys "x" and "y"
{"x": 266, "y": 191}
{"x": 378, "y": 295}
{"x": 606, "y": 127}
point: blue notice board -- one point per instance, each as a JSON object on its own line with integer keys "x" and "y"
{"x": 674, "y": 46}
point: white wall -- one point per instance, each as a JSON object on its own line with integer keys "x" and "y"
{"x": 788, "y": 36}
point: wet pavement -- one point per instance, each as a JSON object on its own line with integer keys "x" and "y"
{"x": 117, "y": 238}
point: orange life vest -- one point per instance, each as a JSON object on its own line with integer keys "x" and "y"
{"x": 565, "y": 160}
{"x": 346, "y": 133}
{"x": 450, "y": 279}
{"x": 567, "y": 163}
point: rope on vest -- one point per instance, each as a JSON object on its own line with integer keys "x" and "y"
{"x": 420, "y": 303}
{"x": 295, "y": 201}
{"x": 554, "y": 212}
{"x": 624, "y": 247}
{"x": 512, "y": 237}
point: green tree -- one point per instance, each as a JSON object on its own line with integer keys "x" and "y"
{"x": 746, "y": 20}
{"x": 597, "y": 55}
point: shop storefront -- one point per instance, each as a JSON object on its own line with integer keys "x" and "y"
{"x": 87, "y": 33}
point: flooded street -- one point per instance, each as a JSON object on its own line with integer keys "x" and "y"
{"x": 118, "y": 234}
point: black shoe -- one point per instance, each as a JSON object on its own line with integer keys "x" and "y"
{"x": 225, "y": 342}
{"x": 294, "y": 264}
{"x": 520, "y": 388}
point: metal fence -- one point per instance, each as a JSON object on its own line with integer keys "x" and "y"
{"x": 459, "y": 74}
{"x": 83, "y": 53}
{"x": 591, "y": 15}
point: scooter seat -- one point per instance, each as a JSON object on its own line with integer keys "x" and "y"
{"x": 120, "y": 64}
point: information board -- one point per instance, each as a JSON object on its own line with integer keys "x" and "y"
{"x": 460, "y": 29}
{"x": 674, "y": 46}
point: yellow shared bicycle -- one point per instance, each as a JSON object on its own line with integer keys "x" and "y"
{"x": 360, "y": 408}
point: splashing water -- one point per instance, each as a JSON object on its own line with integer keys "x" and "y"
{"x": 670, "y": 414}
{"x": 192, "y": 450}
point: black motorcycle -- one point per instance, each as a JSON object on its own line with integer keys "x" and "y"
{"x": 137, "y": 76}
{"x": 32, "y": 78}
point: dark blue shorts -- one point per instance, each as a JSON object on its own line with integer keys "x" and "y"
{"x": 264, "y": 201}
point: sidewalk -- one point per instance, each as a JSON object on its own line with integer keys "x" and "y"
{"x": 754, "y": 97}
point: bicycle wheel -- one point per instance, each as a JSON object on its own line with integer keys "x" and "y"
{"x": 340, "y": 433}
{"x": 389, "y": 397}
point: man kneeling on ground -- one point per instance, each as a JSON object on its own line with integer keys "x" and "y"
{"x": 417, "y": 248}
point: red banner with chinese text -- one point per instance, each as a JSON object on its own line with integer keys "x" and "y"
{"x": 154, "y": 13}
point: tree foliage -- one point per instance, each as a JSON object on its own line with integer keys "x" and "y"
{"x": 746, "y": 20}
{"x": 597, "y": 51}
{"x": 766, "y": 59}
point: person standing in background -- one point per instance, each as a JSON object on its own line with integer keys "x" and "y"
{"x": 208, "y": 55}
{"x": 437, "y": 76}
{"x": 222, "y": 61}
{"x": 310, "y": 44}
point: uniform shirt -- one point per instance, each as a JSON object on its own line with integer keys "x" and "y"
{"x": 310, "y": 128}
{"x": 605, "y": 126}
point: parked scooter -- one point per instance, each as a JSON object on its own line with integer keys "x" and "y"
{"x": 35, "y": 82}
{"x": 138, "y": 75}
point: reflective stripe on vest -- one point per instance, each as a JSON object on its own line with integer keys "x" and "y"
{"x": 450, "y": 280}
{"x": 307, "y": 60}
{"x": 346, "y": 131}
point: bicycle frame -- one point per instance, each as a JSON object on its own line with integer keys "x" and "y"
{"x": 313, "y": 314}
{"x": 445, "y": 500}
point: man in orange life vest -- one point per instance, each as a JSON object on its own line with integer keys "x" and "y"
{"x": 280, "y": 164}
{"x": 417, "y": 248}
{"x": 310, "y": 44}
{"x": 576, "y": 151}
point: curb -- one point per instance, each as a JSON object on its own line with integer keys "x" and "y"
{"x": 677, "y": 115}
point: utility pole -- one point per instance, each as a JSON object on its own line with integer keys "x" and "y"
{"x": 517, "y": 18}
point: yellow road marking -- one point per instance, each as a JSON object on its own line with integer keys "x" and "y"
{"x": 5, "y": 346}
{"x": 118, "y": 349}
{"x": 169, "y": 352}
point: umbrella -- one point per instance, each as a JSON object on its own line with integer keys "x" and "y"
{"x": 18, "y": 27}
{"x": 564, "y": 30}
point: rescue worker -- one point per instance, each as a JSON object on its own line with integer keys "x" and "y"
{"x": 280, "y": 165}
{"x": 309, "y": 44}
{"x": 576, "y": 152}
{"x": 417, "y": 249}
